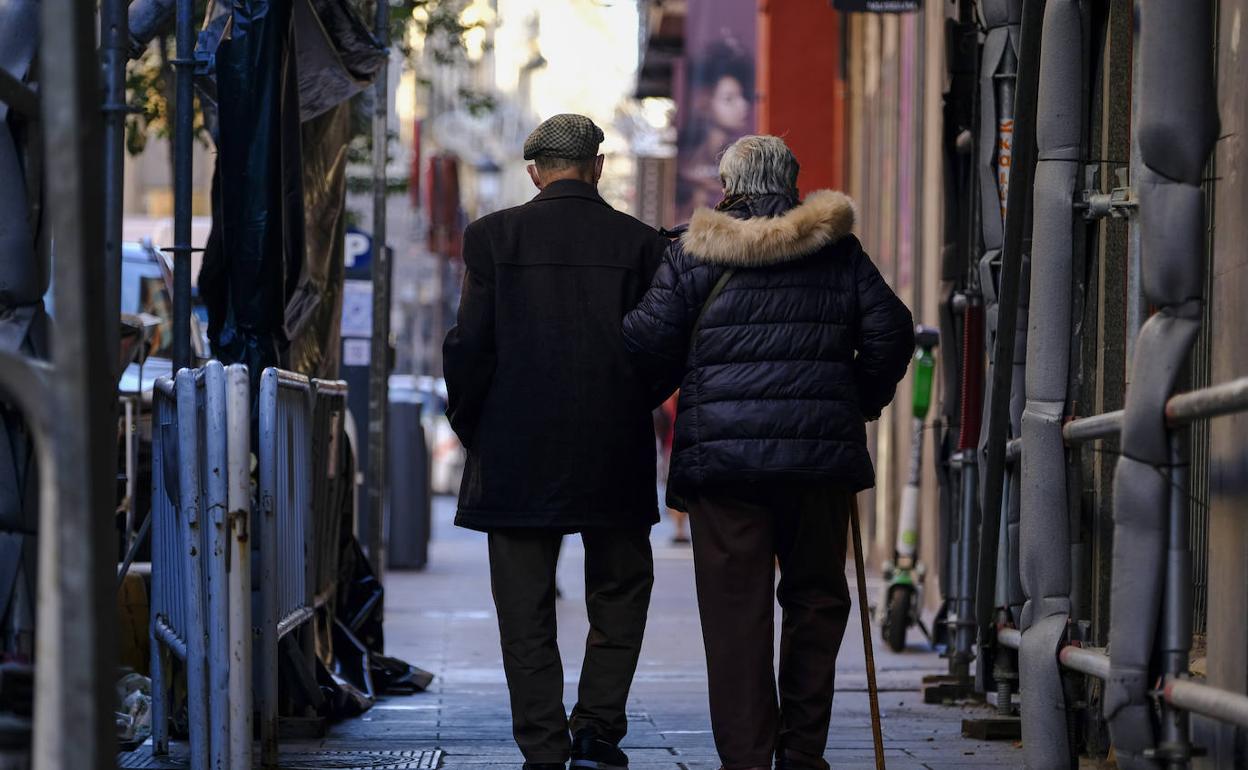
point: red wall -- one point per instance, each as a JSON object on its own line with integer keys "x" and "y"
{"x": 800, "y": 93}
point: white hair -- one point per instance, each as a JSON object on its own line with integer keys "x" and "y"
{"x": 759, "y": 165}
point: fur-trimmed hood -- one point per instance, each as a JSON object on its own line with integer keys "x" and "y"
{"x": 716, "y": 237}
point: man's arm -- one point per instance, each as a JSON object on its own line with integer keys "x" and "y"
{"x": 655, "y": 248}
{"x": 885, "y": 339}
{"x": 657, "y": 332}
{"x": 469, "y": 355}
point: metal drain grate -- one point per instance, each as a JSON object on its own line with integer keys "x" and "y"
{"x": 142, "y": 759}
{"x": 353, "y": 760}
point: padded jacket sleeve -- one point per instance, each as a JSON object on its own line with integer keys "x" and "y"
{"x": 657, "y": 331}
{"x": 469, "y": 355}
{"x": 885, "y": 339}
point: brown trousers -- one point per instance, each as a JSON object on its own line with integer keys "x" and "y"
{"x": 738, "y": 536}
{"x": 619, "y": 573}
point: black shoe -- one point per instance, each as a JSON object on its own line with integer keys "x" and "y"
{"x": 544, "y": 766}
{"x": 788, "y": 759}
{"x": 589, "y": 752}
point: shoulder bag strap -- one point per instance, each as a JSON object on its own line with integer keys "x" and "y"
{"x": 715, "y": 292}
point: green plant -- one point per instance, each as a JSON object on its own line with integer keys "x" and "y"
{"x": 150, "y": 91}
{"x": 438, "y": 22}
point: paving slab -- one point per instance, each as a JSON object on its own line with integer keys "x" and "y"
{"x": 442, "y": 619}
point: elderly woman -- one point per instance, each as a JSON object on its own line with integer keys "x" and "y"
{"x": 784, "y": 340}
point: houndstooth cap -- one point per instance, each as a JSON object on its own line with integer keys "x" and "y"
{"x": 564, "y": 136}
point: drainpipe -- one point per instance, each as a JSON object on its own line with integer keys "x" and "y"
{"x": 958, "y": 170}
{"x": 1176, "y": 128}
{"x": 967, "y": 301}
{"x": 1044, "y": 543}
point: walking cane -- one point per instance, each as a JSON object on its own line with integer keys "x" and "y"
{"x": 872, "y": 692}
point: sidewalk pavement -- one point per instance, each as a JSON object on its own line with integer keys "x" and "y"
{"x": 443, "y": 620}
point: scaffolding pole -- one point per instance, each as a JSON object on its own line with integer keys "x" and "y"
{"x": 182, "y": 137}
{"x": 114, "y": 42}
{"x": 76, "y": 648}
{"x": 379, "y": 358}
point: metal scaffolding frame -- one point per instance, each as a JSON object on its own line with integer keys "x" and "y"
{"x": 1174, "y": 124}
{"x": 68, "y": 405}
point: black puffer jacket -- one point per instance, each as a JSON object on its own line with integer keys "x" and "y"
{"x": 805, "y": 343}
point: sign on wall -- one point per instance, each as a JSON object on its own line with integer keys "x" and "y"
{"x": 715, "y": 100}
{"x": 876, "y": 6}
{"x": 359, "y": 248}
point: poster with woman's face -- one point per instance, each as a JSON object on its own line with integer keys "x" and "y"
{"x": 715, "y": 100}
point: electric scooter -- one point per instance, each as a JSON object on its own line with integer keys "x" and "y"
{"x": 903, "y": 576}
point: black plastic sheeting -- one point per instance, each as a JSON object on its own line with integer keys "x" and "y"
{"x": 23, "y": 277}
{"x": 314, "y": 310}
{"x": 357, "y": 671}
{"x": 256, "y": 247}
{"x": 276, "y": 88}
{"x": 23, "y": 327}
{"x": 338, "y": 55}
{"x": 276, "y": 92}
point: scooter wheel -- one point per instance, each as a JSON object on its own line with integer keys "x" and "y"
{"x": 897, "y": 620}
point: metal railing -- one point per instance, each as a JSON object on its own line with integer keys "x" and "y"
{"x": 176, "y": 619}
{"x": 284, "y": 528}
{"x": 1177, "y": 691}
{"x": 202, "y": 555}
{"x": 331, "y": 486}
{"x": 201, "y": 561}
{"x": 1182, "y": 409}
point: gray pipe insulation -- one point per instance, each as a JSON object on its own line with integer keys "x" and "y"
{"x": 1008, "y": 561}
{"x": 1044, "y": 537}
{"x": 1176, "y": 127}
{"x": 1002, "y": 19}
{"x": 147, "y": 18}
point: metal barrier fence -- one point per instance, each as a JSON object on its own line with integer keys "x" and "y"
{"x": 297, "y": 537}
{"x": 331, "y": 486}
{"x": 200, "y": 441}
{"x": 202, "y": 555}
{"x": 285, "y": 496}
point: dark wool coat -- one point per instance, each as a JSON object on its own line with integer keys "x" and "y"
{"x": 805, "y": 343}
{"x": 542, "y": 392}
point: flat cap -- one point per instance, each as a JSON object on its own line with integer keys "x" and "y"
{"x": 564, "y": 136}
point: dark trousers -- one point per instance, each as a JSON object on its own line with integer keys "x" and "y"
{"x": 738, "y": 536}
{"x": 619, "y": 573}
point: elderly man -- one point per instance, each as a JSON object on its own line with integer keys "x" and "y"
{"x": 559, "y": 437}
{"x": 784, "y": 340}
